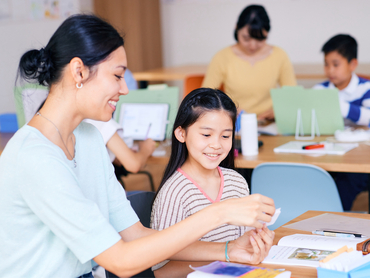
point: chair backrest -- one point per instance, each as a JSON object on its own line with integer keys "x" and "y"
{"x": 295, "y": 189}
{"x": 164, "y": 94}
{"x": 28, "y": 99}
{"x": 366, "y": 76}
{"x": 192, "y": 82}
{"x": 142, "y": 202}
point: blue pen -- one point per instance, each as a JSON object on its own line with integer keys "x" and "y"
{"x": 335, "y": 234}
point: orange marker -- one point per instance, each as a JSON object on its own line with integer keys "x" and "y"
{"x": 315, "y": 146}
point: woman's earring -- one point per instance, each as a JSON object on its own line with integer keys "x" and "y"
{"x": 79, "y": 87}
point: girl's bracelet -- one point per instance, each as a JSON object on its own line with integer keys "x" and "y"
{"x": 226, "y": 256}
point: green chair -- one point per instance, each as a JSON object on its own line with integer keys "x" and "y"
{"x": 28, "y": 99}
{"x": 296, "y": 188}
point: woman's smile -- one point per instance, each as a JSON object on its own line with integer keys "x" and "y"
{"x": 112, "y": 104}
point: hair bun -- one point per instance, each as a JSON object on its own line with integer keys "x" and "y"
{"x": 35, "y": 65}
{"x": 44, "y": 68}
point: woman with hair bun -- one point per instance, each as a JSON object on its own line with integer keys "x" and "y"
{"x": 62, "y": 208}
{"x": 251, "y": 67}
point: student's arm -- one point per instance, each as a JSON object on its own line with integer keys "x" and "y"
{"x": 356, "y": 113}
{"x": 126, "y": 258}
{"x": 132, "y": 161}
{"x": 243, "y": 247}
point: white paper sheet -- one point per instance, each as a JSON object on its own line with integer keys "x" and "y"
{"x": 333, "y": 222}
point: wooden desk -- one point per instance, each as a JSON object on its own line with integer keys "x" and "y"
{"x": 177, "y": 269}
{"x": 180, "y": 72}
{"x": 302, "y": 71}
{"x": 354, "y": 161}
{"x": 170, "y": 73}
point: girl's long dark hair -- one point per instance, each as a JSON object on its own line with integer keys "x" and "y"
{"x": 195, "y": 104}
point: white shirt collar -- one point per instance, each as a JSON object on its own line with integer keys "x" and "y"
{"x": 352, "y": 86}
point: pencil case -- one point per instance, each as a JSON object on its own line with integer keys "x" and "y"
{"x": 362, "y": 271}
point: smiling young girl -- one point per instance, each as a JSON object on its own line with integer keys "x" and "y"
{"x": 199, "y": 172}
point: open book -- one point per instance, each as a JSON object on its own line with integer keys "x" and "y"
{"x": 306, "y": 250}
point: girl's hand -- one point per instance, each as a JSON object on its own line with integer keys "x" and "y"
{"x": 252, "y": 247}
{"x": 247, "y": 211}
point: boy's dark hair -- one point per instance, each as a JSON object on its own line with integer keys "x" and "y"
{"x": 193, "y": 106}
{"x": 255, "y": 16}
{"x": 345, "y": 45}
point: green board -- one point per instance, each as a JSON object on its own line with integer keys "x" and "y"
{"x": 287, "y": 101}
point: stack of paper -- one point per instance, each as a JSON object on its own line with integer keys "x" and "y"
{"x": 329, "y": 148}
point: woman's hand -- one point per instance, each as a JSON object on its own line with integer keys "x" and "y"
{"x": 252, "y": 247}
{"x": 247, "y": 211}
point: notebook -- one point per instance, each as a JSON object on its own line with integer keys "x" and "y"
{"x": 144, "y": 120}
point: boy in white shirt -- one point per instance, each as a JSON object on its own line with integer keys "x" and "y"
{"x": 354, "y": 98}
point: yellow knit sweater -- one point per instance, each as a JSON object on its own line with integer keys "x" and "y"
{"x": 249, "y": 85}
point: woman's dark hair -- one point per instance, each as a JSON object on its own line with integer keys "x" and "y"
{"x": 255, "y": 16}
{"x": 85, "y": 36}
{"x": 193, "y": 106}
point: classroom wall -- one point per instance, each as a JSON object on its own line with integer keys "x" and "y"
{"x": 18, "y": 36}
{"x": 194, "y": 30}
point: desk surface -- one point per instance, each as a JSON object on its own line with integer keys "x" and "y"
{"x": 303, "y": 71}
{"x": 354, "y": 161}
{"x": 180, "y": 72}
{"x": 180, "y": 269}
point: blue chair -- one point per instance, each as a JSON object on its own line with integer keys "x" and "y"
{"x": 296, "y": 188}
{"x": 141, "y": 202}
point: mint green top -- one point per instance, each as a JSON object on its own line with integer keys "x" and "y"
{"x": 55, "y": 218}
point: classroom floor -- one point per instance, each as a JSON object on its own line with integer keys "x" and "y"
{"x": 140, "y": 182}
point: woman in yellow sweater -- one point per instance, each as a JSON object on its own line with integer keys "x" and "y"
{"x": 251, "y": 67}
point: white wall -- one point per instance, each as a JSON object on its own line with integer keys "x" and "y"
{"x": 16, "y": 38}
{"x": 194, "y": 30}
